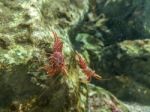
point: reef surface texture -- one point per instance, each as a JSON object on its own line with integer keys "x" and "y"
{"x": 115, "y": 39}
{"x": 26, "y": 28}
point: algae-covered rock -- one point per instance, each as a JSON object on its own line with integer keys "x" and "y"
{"x": 128, "y": 64}
{"x": 135, "y": 107}
{"x": 26, "y": 41}
{"x": 26, "y": 28}
{"x": 89, "y": 45}
{"x": 123, "y": 64}
{"x": 127, "y": 19}
{"x": 101, "y": 100}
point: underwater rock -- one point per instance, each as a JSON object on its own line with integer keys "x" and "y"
{"x": 89, "y": 45}
{"x": 101, "y": 100}
{"x": 135, "y": 107}
{"x": 127, "y": 19}
{"x": 125, "y": 69}
{"x": 26, "y": 38}
{"x": 127, "y": 65}
{"x": 25, "y": 44}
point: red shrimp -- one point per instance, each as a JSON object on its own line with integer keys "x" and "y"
{"x": 85, "y": 69}
{"x": 56, "y": 63}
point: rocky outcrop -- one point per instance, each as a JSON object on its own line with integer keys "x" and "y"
{"x": 25, "y": 41}
{"x": 127, "y": 19}
{"x": 25, "y": 38}
{"x": 119, "y": 50}
{"x": 128, "y": 64}
{"x": 101, "y": 100}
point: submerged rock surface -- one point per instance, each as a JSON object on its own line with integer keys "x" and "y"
{"x": 128, "y": 64}
{"x": 120, "y": 50}
{"x": 25, "y": 40}
{"x": 101, "y": 100}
